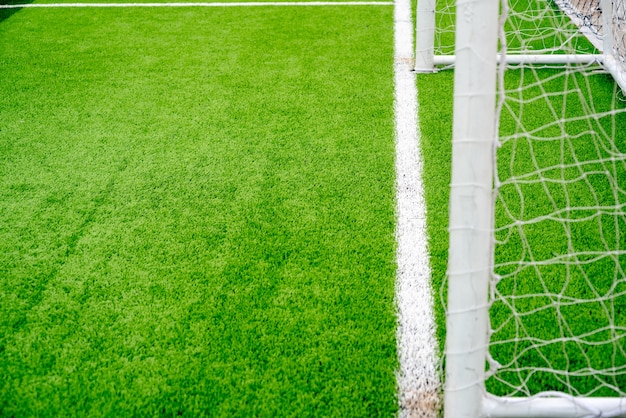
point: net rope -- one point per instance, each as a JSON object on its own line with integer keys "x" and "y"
{"x": 558, "y": 286}
{"x": 558, "y": 290}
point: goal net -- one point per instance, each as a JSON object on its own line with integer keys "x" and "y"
{"x": 537, "y": 266}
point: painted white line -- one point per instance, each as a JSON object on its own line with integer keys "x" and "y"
{"x": 200, "y": 4}
{"x": 418, "y": 379}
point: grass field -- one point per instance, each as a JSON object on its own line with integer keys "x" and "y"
{"x": 197, "y": 212}
{"x": 198, "y": 218}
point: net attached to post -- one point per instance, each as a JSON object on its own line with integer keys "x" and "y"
{"x": 558, "y": 290}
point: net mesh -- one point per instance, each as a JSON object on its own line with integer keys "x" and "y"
{"x": 546, "y": 27}
{"x": 587, "y": 14}
{"x": 558, "y": 289}
{"x": 558, "y": 293}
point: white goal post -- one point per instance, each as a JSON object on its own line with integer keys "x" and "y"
{"x": 510, "y": 179}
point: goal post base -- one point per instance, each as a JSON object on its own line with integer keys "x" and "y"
{"x": 556, "y": 59}
{"x": 608, "y": 62}
{"x": 553, "y": 406}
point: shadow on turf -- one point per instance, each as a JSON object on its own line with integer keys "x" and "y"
{"x": 7, "y": 13}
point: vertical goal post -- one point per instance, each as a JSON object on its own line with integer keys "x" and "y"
{"x": 546, "y": 167}
{"x": 471, "y": 216}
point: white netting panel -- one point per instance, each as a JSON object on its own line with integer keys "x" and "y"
{"x": 619, "y": 32}
{"x": 546, "y": 27}
{"x": 587, "y": 14}
{"x": 533, "y": 26}
{"x": 558, "y": 294}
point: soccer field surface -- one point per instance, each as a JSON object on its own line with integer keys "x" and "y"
{"x": 198, "y": 212}
{"x": 218, "y": 209}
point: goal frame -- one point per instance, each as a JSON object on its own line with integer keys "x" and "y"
{"x": 472, "y": 216}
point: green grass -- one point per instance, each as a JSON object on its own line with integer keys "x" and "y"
{"x": 435, "y": 116}
{"x": 198, "y": 212}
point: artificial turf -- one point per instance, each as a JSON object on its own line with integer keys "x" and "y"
{"x": 435, "y": 95}
{"x": 197, "y": 212}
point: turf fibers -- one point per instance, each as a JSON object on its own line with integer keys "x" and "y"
{"x": 197, "y": 212}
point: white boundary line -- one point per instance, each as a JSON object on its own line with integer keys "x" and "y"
{"x": 201, "y": 4}
{"x": 418, "y": 379}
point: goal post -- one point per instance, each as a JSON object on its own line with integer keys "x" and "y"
{"x": 536, "y": 281}
{"x": 471, "y": 219}
{"x": 425, "y": 36}
{"x": 554, "y": 406}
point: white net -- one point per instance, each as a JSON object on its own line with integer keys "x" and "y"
{"x": 539, "y": 27}
{"x": 558, "y": 290}
{"x": 587, "y": 14}
{"x": 558, "y": 294}
{"x": 547, "y": 27}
